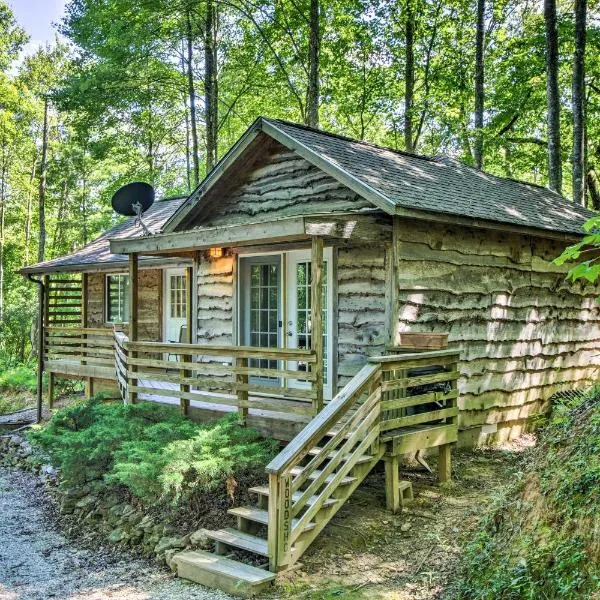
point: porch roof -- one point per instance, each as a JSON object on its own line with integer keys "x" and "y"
{"x": 97, "y": 255}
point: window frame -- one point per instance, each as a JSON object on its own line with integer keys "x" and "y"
{"x": 107, "y": 315}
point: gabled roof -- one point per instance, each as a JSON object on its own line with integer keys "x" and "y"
{"x": 402, "y": 183}
{"x": 97, "y": 254}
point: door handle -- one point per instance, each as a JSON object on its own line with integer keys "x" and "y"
{"x": 290, "y": 333}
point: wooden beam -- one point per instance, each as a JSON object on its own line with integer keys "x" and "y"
{"x": 245, "y": 234}
{"x": 189, "y": 321}
{"x": 316, "y": 334}
{"x": 133, "y": 320}
{"x": 373, "y": 229}
{"x": 445, "y": 463}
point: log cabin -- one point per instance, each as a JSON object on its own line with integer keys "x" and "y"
{"x": 355, "y": 301}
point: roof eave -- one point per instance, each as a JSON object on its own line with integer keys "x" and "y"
{"x": 465, "y": 221}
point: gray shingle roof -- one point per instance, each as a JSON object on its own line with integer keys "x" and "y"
{"x": 441, "y": 184}
{"x": 97, "y": 253}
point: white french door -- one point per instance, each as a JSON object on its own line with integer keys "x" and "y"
{"x": 275, "y": 307}
{"x": 298, "y": 326}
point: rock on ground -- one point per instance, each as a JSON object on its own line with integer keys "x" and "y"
{"x": 37, "y": 562}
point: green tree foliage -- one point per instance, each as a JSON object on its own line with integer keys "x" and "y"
{"x": 155, "y": 452}
{"x": 585, "y": 253}
{"x": 128, "y": 99}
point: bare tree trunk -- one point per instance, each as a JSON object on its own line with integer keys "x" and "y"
{"x": 188, "y": 158}
{"x": 479, "y": 82}
{"x": 594, "y": 188}
{"x": 409, "y": 77}
{"x": 193, "y": 122}
{"x": 42, "y": 195}
{"x": 552, "y": 97}
{"x": 28, "y": 216}
{"x": 211, "y": 94}
{"x": 312, "y": 98}
{"x": 84, "y": 202}
{"x": 60, "y": 216}
{"x": 579, "y": 103}
{"x": 2, "y": 219}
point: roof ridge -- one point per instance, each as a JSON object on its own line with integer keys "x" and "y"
{"x": 347, "y": 138}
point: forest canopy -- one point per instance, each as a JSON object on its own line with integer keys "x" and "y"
{"x": 158, "y": 90}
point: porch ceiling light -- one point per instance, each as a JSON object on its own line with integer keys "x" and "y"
{"x": 215, "y": 252}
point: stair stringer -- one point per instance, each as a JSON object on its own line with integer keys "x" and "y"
{"x": 304, "y": 541}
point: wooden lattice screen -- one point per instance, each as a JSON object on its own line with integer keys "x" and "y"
{"x": 64, "y": 301}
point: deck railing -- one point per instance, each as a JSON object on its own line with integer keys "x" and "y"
{"x": 243, "y": 377}
{"x": 121, "y": 360}
{"x": 382, "y": 403}
{"x": 79, "y": 351}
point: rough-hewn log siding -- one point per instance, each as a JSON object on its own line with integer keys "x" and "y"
{"x": 150, "y": 303}
{"x": 283, "y": 185}
{"x": 215, "y": 301}
{"x": 523, "y": 331}
{"x": 361, "y": 314}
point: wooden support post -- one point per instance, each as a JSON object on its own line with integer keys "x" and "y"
{"x": 84, "y": 319}
{"x": 445, "y": 463}
{"x": 392, "y": 484}
{"x": 51, "y": 390}
{"x": 133, "y": 321}
{"x": 242, "y": 395}
{"x": 316, "y": 334}
{"x": 189, "y": 276}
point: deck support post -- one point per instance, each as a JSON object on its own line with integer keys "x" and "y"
{"x": 133, "y": 322}
{"x": 42, "y": 323}
{"x": 392, "y": 483}
{"x": 89, "y": 388}
{"x": 316, "y": 337}
{"x": 51, "y": 380}
{"x": 189, "y": 321}
{"x": 445, "y": 463}
{"x": 242, "y": 394}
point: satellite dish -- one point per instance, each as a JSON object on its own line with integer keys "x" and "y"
{"x": 127, "y": 197}
{"x": 134, "y": 199}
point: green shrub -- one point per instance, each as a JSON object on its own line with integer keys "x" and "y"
{"x": 22, "y": 378}
{"x": 155, "y": 452}
{"x": 539, "y": 540}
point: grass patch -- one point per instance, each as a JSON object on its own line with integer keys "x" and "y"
{"x": 154, "y": 452}
{"x": 540, "y": 540}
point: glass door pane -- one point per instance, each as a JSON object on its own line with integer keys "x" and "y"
{"x": 260, "y": 296}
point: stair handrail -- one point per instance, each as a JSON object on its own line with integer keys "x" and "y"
{"x": 300, "y": 445}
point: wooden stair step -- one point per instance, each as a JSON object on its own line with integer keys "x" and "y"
{"x": 239, "y": 539}
{"x": 258, "y": 515}
{"x": 345, "y": 481}
{"x": 365, "y": 458}
{"x": 263, "y": 490}
{"x": 222, "y": 573}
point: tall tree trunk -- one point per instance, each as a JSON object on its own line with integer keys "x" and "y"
{"x": 579, "y": 103}
{"x": 2, "y": 219}
{"x": 42, "y": 190}
{"x": 60, "y": 217}
{"x": 552, "y": 97}
{"x": 479, "y": 82}
{"x": 188, "y": 157}
{"x": 593, "y": 185}
{"x": 193, "y": 122}
{"x": 314, "y": 50}
{"x": 29, "y": 211}
{"x": 211, "y": 94}
{"x": 409, "y": 77}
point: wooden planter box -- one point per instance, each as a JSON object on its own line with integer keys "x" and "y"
{"x": 423, "y": 341}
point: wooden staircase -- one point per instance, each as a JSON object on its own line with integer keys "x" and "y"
{"x": 313, "y": 476}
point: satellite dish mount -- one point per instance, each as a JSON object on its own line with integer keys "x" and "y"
{"x": 133, "y": 200}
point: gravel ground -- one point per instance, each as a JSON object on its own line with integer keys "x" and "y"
{"x": 38, "y": 562}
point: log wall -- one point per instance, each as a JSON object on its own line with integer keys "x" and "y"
{"x": 150, "y": 298}
{"x": 361, "y": 312}
{"x": 523, "y": 331}
{"x": 283, "y": 184}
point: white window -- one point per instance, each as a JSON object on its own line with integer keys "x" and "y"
{"x": 117, "y": 298}
{"x": 178, "y": 302}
